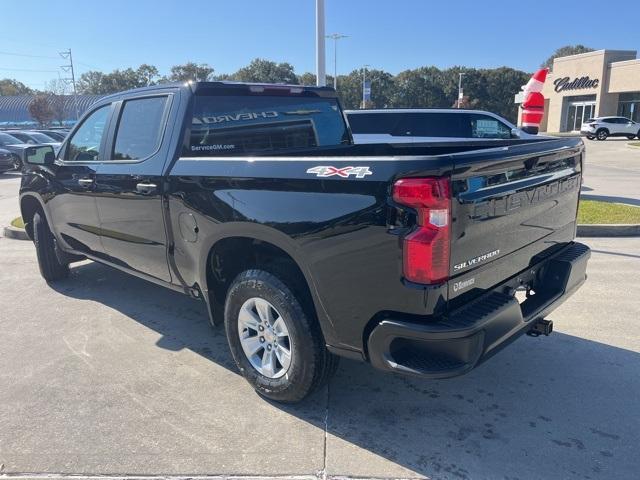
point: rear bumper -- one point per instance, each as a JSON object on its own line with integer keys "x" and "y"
{"x": 478, "y": 330}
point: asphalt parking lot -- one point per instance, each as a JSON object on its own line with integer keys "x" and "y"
{"x": 612, "y": 172}
{"x": 105, "y": 374}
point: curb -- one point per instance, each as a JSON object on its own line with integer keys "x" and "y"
{"x": 15, "y": 233}
{"x": 613, "y": 230}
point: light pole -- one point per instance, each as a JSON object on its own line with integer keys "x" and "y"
{"x": 364, "y": 83}
{"x": 460, "y": 74}
{"x": 321, "y": 79}
{"x": 335, "y": 37}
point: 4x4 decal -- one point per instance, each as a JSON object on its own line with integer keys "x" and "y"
{"x": 344, "y": 172}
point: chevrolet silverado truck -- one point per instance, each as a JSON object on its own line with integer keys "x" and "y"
{"x": 422, "y": 259}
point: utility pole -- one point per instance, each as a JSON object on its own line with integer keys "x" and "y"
{"x": 69, "y": 68}
{"x": 335, "y": 37}
{"x": 460, "y": 74}
{"x": 321, "y": 79}
{"x": 364, "y": 83}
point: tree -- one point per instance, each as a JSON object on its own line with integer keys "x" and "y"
{"x": 307, "y": 78}
{"x": 565, "y": 51}
{"x": 99, "y": 83}
{"x": 40, "y": 110}
{"x": 350, "y": 89}
{"x": 191, "y": 71}
{"x": 266, "y": 71}
{"x": 9, "y": 86}
{"x": 148, "y": 74}
{"x": 422, "y": 87}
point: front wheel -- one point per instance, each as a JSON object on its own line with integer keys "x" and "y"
{"x": 602, "y": 135}
{"x": 276, "y": 344}
{"x": 51, "y": 268}
{"x": 631, "y": 137}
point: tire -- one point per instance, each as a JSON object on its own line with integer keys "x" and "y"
{"x": 631, "y": 137}
{"x": 51, "y": 268}
{"x": 602, "y": 134}
{"x": 309, "y": 364}
{"x": 590, "y": 137}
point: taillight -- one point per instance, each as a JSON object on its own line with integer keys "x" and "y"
{"x": 426, "y": 249}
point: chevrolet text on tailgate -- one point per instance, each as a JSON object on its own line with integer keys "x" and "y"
{"x": 254, "y": 199}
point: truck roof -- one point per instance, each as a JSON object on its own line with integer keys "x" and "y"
{"x": 237, "y": 88}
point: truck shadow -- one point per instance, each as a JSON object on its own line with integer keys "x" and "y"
{"x": 548, "y": 408}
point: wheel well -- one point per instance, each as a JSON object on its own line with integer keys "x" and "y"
{"x": 601, "y": 129}
{"x": 231, "y": 256}
{"x": 29, "y": 206}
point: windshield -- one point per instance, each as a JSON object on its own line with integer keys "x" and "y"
{"x": 6, "y": 139}
{"x": 41, "y": 137}
{"x": 234, "y": 125}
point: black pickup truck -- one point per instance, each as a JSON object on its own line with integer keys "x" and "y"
{"x": 420, "y": 259}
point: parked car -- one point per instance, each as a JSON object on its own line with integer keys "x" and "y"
{"x": 413, "y": 125}
{"x": 7, "y": 161}
{"x": 603, "y": 127}
{"x": 253, "y": 199}
{"x": 34, "y": 138}
{"x": 57, "y": 135}
{"x": 15, "y": 146}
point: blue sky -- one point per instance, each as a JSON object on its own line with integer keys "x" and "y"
{"x": 227, "y": 34}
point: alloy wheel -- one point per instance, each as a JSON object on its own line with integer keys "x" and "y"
{"x": 264, "y": 337}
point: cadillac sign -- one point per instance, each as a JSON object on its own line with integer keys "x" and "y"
{"x": 565, "y": 83}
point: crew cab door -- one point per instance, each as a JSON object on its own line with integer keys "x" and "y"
{"x": 72, "y": 206}
{"x": 129, "y": 185}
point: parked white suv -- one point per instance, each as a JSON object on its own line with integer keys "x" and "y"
{"x": 411, "y": 125}
{"x": 603, "y": 127}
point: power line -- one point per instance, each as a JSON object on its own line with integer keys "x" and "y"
{"x": 14, "y": 54}
{"x": 28, "y": 70}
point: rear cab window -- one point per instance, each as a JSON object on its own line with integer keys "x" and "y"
{"x": 262, "y": 123}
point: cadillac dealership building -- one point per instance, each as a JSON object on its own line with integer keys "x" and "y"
{"x": 594, "y": 84}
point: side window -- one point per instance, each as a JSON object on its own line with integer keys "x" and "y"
{"x": 84, "y": 145}
{"x": 436, "y": 124}
{"x": 139, "y": 128}
{"x": 370, "y": 123}
{"x": 484, "y": 126}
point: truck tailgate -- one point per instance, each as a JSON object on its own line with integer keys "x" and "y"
{"x": 511, "y": 207}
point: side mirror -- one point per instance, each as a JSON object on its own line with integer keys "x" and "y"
{"x": 515, "y": 133}
{"x": 39, "y": 155}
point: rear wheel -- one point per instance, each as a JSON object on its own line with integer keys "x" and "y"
{"x": 51, "y": 268}
{"x": 602, "y": 134}
{"x": 276, "y": 344}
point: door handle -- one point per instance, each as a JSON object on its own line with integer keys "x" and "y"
{"x": 85, "y": 182}
{"x": 146, "y": 188}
